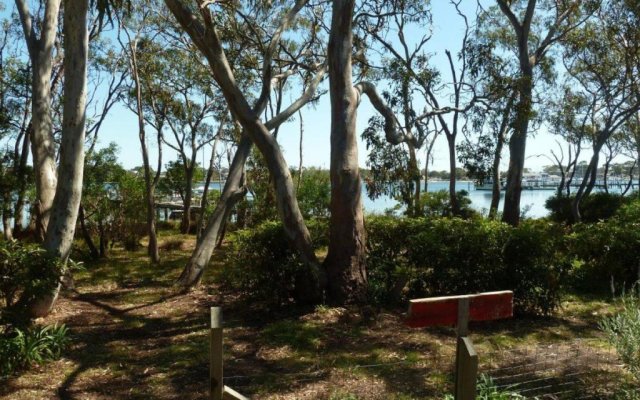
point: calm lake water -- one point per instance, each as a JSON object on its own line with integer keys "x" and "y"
{"x": 532, "y": 200}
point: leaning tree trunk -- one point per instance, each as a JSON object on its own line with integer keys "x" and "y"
{"x": 64, "y": 212}
{"x": 42, "y": 144}
{"x": 233, "y": 192}
{"x": 205, "y": 192}
{"x": 345, "y": 262}
{"x": 86, "y": 235}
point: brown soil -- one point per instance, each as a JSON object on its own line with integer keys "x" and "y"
{"x": 139, "y": 339}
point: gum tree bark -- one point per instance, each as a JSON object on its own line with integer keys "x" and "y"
{"x": 42, "y": 144}
{"x": 64, "y": 212}
{"x": 345, "y": 262}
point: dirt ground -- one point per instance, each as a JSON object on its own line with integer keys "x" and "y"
{"x": 134, "y": 336}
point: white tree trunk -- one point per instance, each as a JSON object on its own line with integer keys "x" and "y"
{"x": 64, "y": 212}
{"x": 42, "y": 144}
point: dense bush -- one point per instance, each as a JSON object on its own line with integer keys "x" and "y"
{"x": 420, "y": 258}
{"x": 438, "y": 204}
{"x": 623, "y": 332}
{"x": 593, "y": 208}
{"x": 20, "y": 349}
{"x": 608, "y": 250}
{"x": 26, "y": 270}
{"x": 261, "y": 263}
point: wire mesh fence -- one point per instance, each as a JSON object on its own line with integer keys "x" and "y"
{"x": 576, "y": 370}
{"x": 581, "y": 369}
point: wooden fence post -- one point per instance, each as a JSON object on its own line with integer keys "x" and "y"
{"x": 466, "y": 370}
{"x": 215, "y": 355}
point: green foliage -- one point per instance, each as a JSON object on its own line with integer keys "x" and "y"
{"x": 174, "y": 180}
{"x": 411, "y": 258}
{"x": 314, "y": 193}
{"x": 536, "y": 264}
{"x": 20, "y": 349}
{"x": 623, "y": 331}
{"x": 262, "y": 265}
{"x": 608, "y": 249}
{"x": 130, "y": 223}
{"x": 595, "y": 207}
{"x": 438, "y": 204}
{"x": 26, "y": 270}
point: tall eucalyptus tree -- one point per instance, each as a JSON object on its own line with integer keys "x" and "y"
{"x": 536, "y": 26}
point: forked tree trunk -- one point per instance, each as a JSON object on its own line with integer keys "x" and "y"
{"x": 64, "y": 212}
{"x": 345, "y": 262}
{"x": 42, "y": 144}
{"x": 311, "y": 280}
{"x": 588, "y": 180}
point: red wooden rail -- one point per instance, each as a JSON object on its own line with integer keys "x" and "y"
{"x": 437, "y": 311}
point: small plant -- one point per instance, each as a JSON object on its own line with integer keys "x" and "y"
{"x": 623, "y": 331}
{"x": 343, "y": 396}
{"x": 20, "y": 349}
{"x": 488, "y": 390}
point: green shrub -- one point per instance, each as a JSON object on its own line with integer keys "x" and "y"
{"x": 20, "y": 349}
{"x": 389, "y": 269}
{"x": 623, "y": 332}
{"x": 595, "y": 207}
{"x": 438, "y": 204}
{"x": 454, "y": 256}
{"x": 26, "y": 270}
{"x": 536, "y": 264}
{"x": 411, "y": 258}
{"x": 605, "y": 250}
{"x": 263, "y": 265}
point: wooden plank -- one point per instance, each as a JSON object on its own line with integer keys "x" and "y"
{"x": 230, "y": 394}
{"x": 466, "y": 370}
{"x": 443, "y": 311}
{"x": 215, "y": 354}
{"x": 462, "y": 324}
